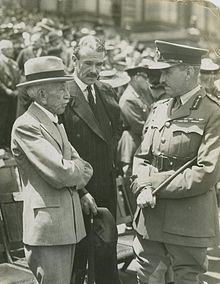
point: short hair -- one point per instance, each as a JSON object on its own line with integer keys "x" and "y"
{"x": 33, "y": 90}
{"x": 90, "y": 42}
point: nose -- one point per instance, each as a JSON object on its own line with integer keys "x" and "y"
{"x": 93, "y": 69}
{"x": 67, "y": 95}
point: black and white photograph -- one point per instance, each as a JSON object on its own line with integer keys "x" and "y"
{"x": 109, "y": 141}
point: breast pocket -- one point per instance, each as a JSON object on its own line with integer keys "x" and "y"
{"x": 186, "y": 139}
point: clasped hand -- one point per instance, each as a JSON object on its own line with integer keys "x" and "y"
{"x": 88, "y": 204}
{"x": 146, "y": 198}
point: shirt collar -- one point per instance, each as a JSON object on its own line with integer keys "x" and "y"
{"x": 184, "y": 98}
{"x": 80, "y": 83}
{"x": 83, "y": 87}
{"x": 52, "y": 117}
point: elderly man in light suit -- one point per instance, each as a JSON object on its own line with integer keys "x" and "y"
{"x": 52, "y": 174}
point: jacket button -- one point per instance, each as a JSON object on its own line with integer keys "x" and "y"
{"x": 78, "y": 135}
{"x": 163, "y": 140}
{"x": 167, "y": 124}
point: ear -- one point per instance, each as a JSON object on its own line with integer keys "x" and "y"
{"x": 42, "y": 95}
{"x": 189, "y": 72}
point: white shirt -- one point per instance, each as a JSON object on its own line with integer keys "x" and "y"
{"x": 52, "y": 117}
{"x": 184, "y": 98}
{"x": 83, "y": 87}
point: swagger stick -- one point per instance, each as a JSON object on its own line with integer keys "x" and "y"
{"x": 169, "y": 179}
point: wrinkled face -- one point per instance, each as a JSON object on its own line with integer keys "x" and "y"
{"x": 56, "y": 97}
{"x": 89, "y": 64}
{"x": 174, "y": 80}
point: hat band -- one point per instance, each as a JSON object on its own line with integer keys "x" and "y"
{"x": 45, "y": 75}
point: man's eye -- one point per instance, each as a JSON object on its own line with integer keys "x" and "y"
{"x": 99, "y": 64}
{"x": 88, "y": 63}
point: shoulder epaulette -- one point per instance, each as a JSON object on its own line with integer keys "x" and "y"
{"x": 214, "y": 98}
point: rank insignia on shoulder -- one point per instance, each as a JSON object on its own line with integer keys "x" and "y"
{"x": 215, "y": 99}
{"x": 196, "y": 102}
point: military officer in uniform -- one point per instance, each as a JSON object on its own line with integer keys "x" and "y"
{"x": 182, "y": 220}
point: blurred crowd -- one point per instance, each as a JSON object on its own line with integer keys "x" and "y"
{"x": 24, "y": 35}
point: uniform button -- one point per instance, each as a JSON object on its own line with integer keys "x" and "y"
{"x": 163, "y": 140}
{"x": 78, "y": 135}
{"x": 167, "y": 124}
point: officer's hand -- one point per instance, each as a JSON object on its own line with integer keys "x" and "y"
{"x": 88, "y": 204}
{"x": 157, "y": 178}
{"x": 145, "y": 198}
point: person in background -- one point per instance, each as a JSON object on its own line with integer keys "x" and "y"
{"x": 9, "y": 78}
{"x": 92, "y": 123}
{"x": 35, "y": 49}
{"x": 209, "y": 73}
{"x": 118, "y": 81}
{"x": 181, "y": 221}
{"x": 56, "y": 47}
{"x": 135, "y": 104}
{"x": 52, "y": 174}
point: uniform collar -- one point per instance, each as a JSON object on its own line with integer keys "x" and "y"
{"x": 52, "y": 117}
{"x": 184, "y": 98}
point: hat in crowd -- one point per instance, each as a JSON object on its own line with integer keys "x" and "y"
{"x": 208, "y": 66}
{"x": 4, "y": 43}
{"x": 113, "y": 78}
{"x": 104, "y": 227}
{"x": 132, "y": 71}
{"x": 53, "y": 36}
{"x": 44, "y": 69}
{"x": 169, "y": 54}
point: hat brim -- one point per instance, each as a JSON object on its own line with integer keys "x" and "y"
{"x": 115, "y": 83}
{"x": 161, "y": 65}
{"x": 45, "y": 80}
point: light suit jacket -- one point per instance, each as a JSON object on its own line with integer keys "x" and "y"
{"x": 51, "y": 172}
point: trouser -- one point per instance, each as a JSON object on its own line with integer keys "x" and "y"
{"x": 153, "y": 259}
{"x": 105, "y": 262}
{"x": 51, "y": 264}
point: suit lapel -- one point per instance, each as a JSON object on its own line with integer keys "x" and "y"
{"x": 47, "y": 124}
{"x": 66, "y": 145}
{"x": 81, "y": 107}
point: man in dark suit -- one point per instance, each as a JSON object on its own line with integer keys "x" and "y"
{"x": 92, "y": 122}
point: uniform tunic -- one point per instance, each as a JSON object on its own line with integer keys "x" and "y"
{"x": 186, "y": 210}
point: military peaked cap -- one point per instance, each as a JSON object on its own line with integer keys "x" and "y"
{"x": 169, "y": 54}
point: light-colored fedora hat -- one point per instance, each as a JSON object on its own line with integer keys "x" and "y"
{"x": 44, "y": 69}
{"x": 113, "y": 78}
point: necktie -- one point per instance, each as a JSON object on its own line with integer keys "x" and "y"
{"x": 91, "y": 100}
{"x": 176, "y": 104}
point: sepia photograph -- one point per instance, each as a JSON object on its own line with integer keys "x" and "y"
{"x": 109, "y": 141}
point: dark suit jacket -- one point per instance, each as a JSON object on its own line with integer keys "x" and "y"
{"x": 88, "y": 139}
